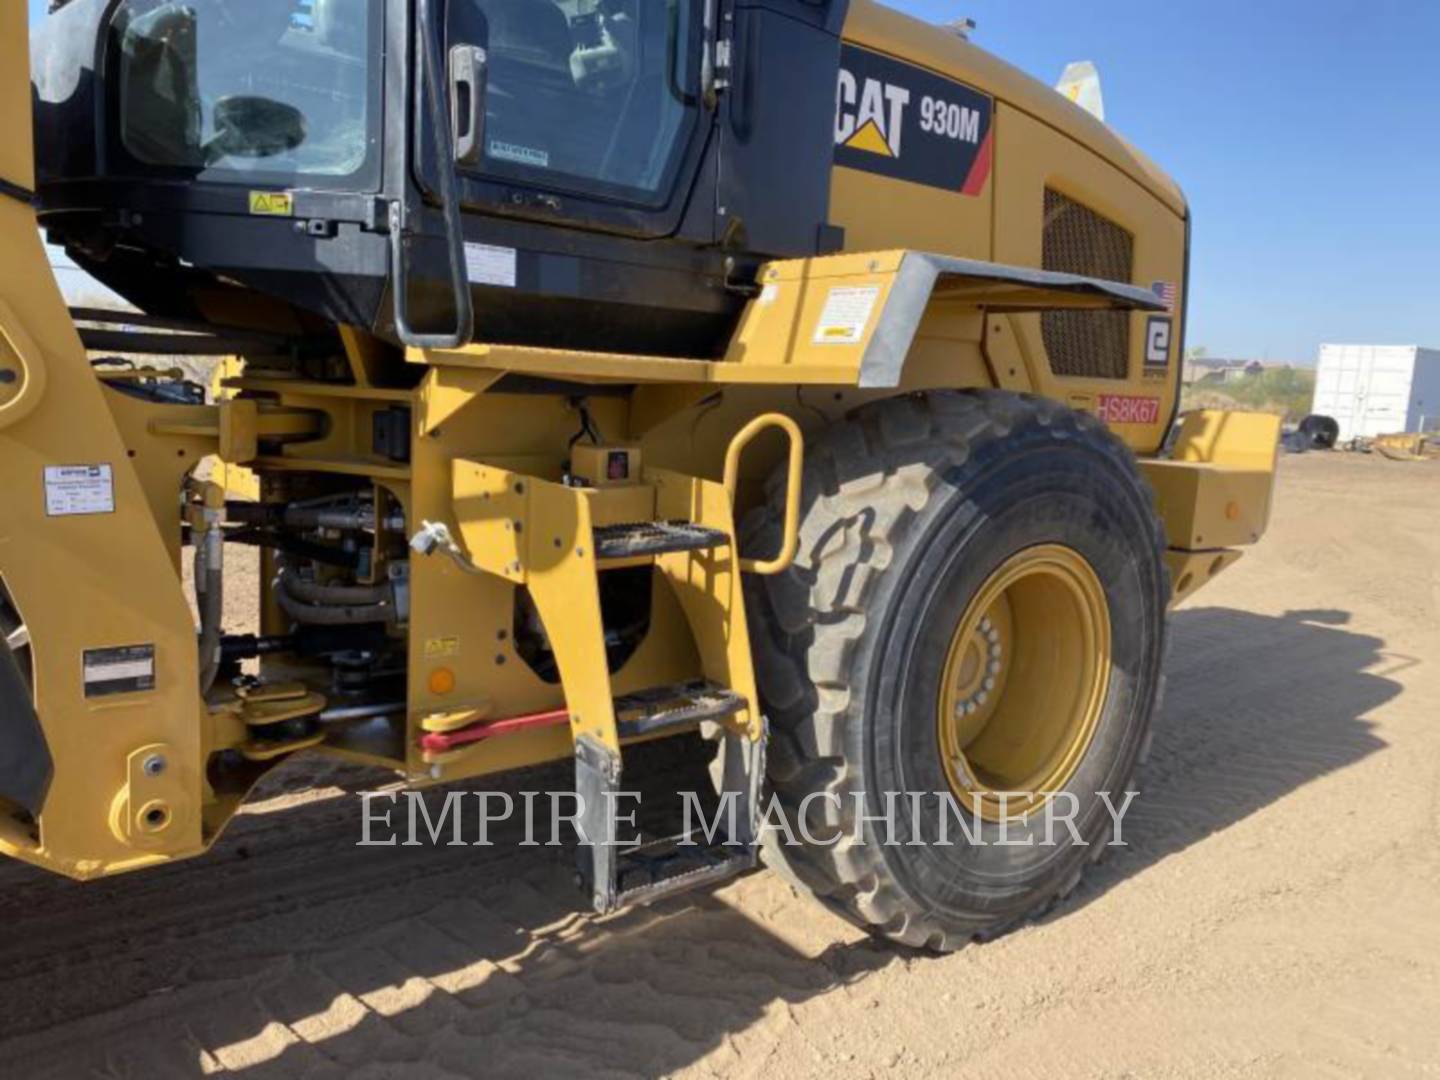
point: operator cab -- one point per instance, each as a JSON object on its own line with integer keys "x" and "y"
{"x": 596, "y": 170}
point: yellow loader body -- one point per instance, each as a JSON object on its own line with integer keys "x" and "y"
{"x": 935, "y": 290}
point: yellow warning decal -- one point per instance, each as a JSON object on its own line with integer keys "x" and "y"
{"x": 441, "y": 646}
{"x": 272, "y": 203}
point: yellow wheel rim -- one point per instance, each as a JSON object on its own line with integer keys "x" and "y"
{"x": 1024, "y": 682}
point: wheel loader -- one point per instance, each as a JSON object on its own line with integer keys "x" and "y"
{"x": 595, "y": 372}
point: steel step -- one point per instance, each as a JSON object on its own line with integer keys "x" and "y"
{"x": 676, "y": 864}
{"x": 615, "y": 873}
{"x": 674, "y": 708}
{"x": 633, "y": 539}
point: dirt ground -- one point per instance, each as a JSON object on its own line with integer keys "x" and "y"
{"x": 1276, "y": 913}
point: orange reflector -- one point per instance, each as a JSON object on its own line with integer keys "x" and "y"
{"x": 1232, "y": 510}
{"x": 442, "y": 681}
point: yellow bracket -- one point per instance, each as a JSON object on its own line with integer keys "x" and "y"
{"x": 154, "y": 808}
{"x": 238, "y": 421}
{"x": 539, "y": 534}
{"x": 15, "y": 405}
{"x": 790, "y": 540}
{"x": 708, "y": 586}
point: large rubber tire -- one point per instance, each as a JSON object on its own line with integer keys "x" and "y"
{"x": 908, "y": 505}
{"x": 9, "y": 622}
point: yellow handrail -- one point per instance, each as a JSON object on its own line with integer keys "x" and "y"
{"x": 791, "y": 540}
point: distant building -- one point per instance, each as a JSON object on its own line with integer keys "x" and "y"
{"x": 1214, "y": 370}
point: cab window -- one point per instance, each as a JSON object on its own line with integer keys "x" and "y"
{"x": 274, "y": 89}
{"x": 595, "y": 96}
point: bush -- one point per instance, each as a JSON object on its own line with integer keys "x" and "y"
{"x": 1287, "y": 391}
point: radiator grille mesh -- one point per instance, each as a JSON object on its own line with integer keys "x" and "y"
{"x": 1077, "y": 240}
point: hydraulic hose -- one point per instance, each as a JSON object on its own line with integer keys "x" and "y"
{"x": 311, "y": 593}
{"x": 334, "y": 605}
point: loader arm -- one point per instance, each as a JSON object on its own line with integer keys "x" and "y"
{"x": 110, "y": 641}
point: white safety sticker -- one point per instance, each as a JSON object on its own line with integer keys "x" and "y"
{"x": 79, "y": 489}
{"x": 488, "y": 265}
{"x": 846, "y": 315}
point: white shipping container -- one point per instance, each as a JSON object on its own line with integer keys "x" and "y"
{"x": 1378, "y": 389}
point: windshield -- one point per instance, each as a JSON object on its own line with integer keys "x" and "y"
{"x": 269, "y": 89}
{"x": 588, "y": 94}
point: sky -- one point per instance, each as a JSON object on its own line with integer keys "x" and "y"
{"x": 1303, "y": 132}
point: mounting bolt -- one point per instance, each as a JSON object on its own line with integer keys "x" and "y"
{"x": 153, "y": 765}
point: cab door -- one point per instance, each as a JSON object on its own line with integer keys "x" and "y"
{"x": 585, "y": 113}
{"x": 778, "y": 62}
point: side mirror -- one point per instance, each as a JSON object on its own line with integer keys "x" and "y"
{"x": 254, "y": 127}
{"x": 469, "y": 71}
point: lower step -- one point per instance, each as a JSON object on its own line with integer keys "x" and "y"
{"x": 674, "y": 708}
{"x": 617, "y": 874}
{"x": 663, "y": 868}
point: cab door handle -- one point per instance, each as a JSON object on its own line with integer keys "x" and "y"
{"x": 469, "y": 68}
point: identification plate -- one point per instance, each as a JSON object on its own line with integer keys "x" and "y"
{"x": 72, "y": 490}
{"x": 128, "y": 669}
{"x": 1125, "y": 409}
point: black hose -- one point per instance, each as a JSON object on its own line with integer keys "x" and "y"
{"x": 317, "y": 615}
{"x": 310, "y": 592}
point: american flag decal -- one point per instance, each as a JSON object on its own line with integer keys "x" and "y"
{"x": 1165, "y": 290}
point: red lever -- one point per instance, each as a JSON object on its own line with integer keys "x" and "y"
{"x": 437, "y": 742}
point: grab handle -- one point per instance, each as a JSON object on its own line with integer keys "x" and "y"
{"x": 790, "y": 541}
{"x": 468, "y": 77}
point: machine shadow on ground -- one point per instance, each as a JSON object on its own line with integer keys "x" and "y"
{"x": 1255, "y": 706}
{"x": 289, "y": 951}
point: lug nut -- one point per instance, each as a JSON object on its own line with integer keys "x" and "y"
{"x": 153, "y": 765}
